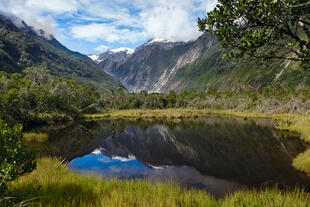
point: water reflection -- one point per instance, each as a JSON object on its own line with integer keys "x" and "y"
{"x": 219, "y": 154}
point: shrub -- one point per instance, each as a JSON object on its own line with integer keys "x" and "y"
{"x": 15, "y": 159}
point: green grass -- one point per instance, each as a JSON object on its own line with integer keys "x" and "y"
{"x": 302, "y": 162}
{"x": 179, "y": 113}
{"x": 55, "y": 185}
{"x": 35, "y": 137}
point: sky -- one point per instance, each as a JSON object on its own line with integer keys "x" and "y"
{"x": 94, "y": 26}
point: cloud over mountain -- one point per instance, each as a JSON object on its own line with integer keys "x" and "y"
{"x": 112, "y": 23}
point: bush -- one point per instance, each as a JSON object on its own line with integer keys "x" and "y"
{"x": 15, "y": 159}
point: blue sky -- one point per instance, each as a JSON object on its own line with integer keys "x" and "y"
{"x": 94, "y": 26}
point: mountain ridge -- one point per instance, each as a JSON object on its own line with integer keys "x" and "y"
{"x": 198, "y": 65}
{"x": 23, "y": 47}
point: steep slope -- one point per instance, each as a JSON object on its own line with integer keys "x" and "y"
{"x": 160, "y": 66}
{"x": 22, "y": 46}
{"x": 112, "y": 59}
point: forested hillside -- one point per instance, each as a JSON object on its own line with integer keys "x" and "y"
{"x": 40, "y": 98}
{"x": 23, "y": 47}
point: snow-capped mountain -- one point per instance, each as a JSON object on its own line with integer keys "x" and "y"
{"x": 158, "y": 40}
{"x": 122, "y": 49}
{"x": 162, "y": 65}
{"x": 150, "y": 66}
{"x": 112, "y": 59}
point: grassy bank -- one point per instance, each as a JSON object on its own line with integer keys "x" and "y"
{"x": 288, "y": 122}
{"x": 54, "y": 185}
{"x": 35, "y": 137}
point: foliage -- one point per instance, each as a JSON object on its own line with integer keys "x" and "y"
{"x": 39, "y": 97}
{"x": 270, "y": 100}
{"x": 263, "y": 29}
{"x": 58, "y": 186}
{"x": 15, "y": 159}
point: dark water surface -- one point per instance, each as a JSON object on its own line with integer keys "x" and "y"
{"x": 218, "y": 154}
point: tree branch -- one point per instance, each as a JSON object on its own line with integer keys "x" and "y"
{"x": 294, "y": 6}
{"x": 299, "y": 55}
{"x": 282, "y": 57}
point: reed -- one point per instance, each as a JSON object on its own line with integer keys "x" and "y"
{"x": 53, "y": 184}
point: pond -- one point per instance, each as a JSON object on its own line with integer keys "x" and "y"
{"x": 218, "y": 154}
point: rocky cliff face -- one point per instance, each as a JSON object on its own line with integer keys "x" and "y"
{"x": 161, "y": 66}
{"x": 113, "y": 59}
{"x": 153, "y": 64}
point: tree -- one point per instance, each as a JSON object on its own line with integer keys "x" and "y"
{"x": 15, "y": 159}
{"x": 38, "y": 75}
{"x": 171, "y": 98}
{"x": 268, "y": 29}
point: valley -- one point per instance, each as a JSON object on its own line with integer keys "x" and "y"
{"x": 154, "y": 103}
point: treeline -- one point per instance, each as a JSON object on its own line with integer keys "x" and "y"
{"x": 38, "y": 97}
{"x": 269, "y": 100}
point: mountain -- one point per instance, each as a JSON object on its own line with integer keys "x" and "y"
{"x": 162, "y": 65}
{"x": 112, "y": 59}
{"x": 22, "y": 46}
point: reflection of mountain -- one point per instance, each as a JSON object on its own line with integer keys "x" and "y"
{"x": 247, "y": 152}
{"x": 224, "y": 148}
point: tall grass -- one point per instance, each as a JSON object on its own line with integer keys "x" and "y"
{"x": 302, "y": 162}
{"x": 55, "y": 185}
{"x": 35, "y": 137}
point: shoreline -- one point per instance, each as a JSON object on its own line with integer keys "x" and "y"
{"x": 286, "y": 122}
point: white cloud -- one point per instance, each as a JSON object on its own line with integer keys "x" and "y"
{"x": 110, "y": 33}
{"x": 55, "y": 6}
{"x": 102, "y": 48}
{"x": 174, "y": 21}
{"x": 112, "y": 21}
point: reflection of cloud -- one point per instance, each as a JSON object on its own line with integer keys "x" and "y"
{"x": 97, "y": 151}
{"x": 124, "y": 159}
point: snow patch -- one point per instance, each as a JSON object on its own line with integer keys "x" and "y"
{"x": 122, "y": 49}
{"x": 94, "y": 57}
{"x": 158, "y": 40}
